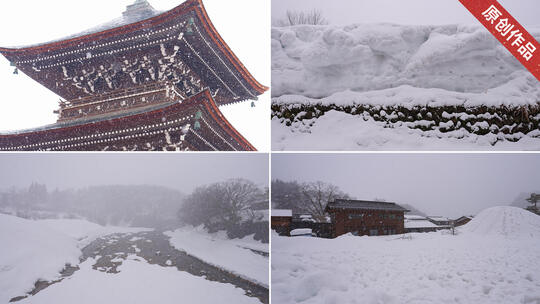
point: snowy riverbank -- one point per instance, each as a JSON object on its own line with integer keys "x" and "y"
{"x": 234, "y": 255}
{"x": 39, "y": 250}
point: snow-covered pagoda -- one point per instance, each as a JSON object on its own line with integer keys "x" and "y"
{"x": 148, "y": 80}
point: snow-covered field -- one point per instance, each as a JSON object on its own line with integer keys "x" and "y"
{"x": 138, "y": 282}
{"x": 232, "y": 255}
{"x": 386, "y": 66}
{"x": 33, "y": 250}
{"x": 493, "y": 259}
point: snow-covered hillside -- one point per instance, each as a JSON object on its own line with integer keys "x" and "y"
{"x": 456, "y": 81}
{"x": 482, "y": 264}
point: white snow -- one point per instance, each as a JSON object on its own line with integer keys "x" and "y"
{"x": 481, "y": 264}
{"x": 301, "y": 232}
{"x": 387, "y": 65}
{"x": 318, "y": 61}
{"x": 340, "y": 131}
{"x": 414, "y": 217}
{"x": 438, "y": 218}
{"x": 31, "y": 251}
{"x": 282, "y": 212}
{"x": 86, "y": 232}
{"x": 138, "y": 282}
{"x": 216, "y": 249}
{"x": 506, "y": 221}
{"x": 419, "y": 224}
{"x": 34, "y": 250}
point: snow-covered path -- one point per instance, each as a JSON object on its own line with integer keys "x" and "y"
{"x": 142, "y": 268}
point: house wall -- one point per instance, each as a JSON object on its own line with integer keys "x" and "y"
{"x": 367, "y": 222}
{"x": 281, "y": 224}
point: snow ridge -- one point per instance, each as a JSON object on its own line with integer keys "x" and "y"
{"x": 463, "y": 62}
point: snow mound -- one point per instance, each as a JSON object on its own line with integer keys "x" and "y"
{"x": 31, "y": 251}
{"x": 505, "y": 221}
{"x": 318, "y": 61}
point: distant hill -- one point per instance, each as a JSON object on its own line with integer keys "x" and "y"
{"x": 413, "y": 211}
{"x": 119, "y": 205}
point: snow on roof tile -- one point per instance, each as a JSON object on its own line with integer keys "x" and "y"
{"x": 419, "y": 224}
{"x": 364, "y": 205}
{"x": 282, "y": 212}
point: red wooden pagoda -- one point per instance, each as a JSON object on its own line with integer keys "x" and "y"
{"x": 145, "y": 81}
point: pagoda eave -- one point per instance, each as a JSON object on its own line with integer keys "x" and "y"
{"x": 50, "y": 63}
{"x": 195, "y": 124}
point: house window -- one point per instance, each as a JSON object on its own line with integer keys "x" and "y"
{"x": 373, "y": 232}
{"x": 355, "y": 216}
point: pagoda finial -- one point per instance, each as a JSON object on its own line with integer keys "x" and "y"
{"x": 139, "y": 9}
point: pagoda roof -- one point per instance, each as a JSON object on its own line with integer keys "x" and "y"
{"x": 83, "y": 135}
{"x": 138, "y": 23}
{"x": 139, "y": 11}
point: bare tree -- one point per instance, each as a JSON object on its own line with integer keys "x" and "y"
{"x": 286, "y": 195}
{"x": 318, "y": 194}
{"x": 313, "y": 17}
{"x": 533, "y": 199}
{"x": 222, "y": 204}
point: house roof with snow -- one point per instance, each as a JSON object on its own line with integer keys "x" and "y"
{"x": 414, "y": 217}
{"x": 439, "y": 218}
{"x": 419, "y": 224}
{"x": 282, "y": 212}
{"x": 363, "y": 205}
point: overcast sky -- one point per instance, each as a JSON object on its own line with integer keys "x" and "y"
{"x": 437, "y": 184}
{"x": 181, "y": 171}
{"x": 243, "y": 24}
{"x": 340, "y": 12}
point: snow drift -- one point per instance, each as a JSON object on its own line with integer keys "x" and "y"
{"x": 318, "y": 61}
{"x": 453, "y": 85}
{"x": 31, "y": 251}
{"x": 506, "y": 221}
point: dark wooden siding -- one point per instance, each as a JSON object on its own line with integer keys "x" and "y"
{"x": 367, "y": 222}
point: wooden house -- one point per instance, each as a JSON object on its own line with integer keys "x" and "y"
{"x": 281, "y": 220}
{"x": 365, "y": 217}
